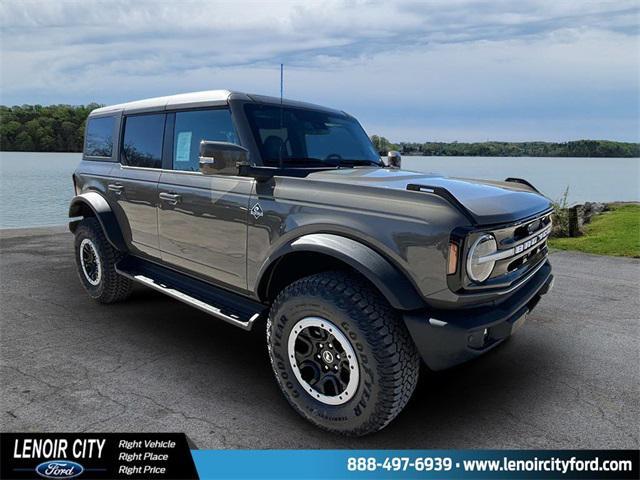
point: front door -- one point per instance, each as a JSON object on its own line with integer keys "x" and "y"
{"x": 202, "y": 219}
{"x": 134, "y": 186}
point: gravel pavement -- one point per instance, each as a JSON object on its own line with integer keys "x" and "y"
{"x": 570, "y": 378}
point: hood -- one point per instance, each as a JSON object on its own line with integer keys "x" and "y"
{"x": 488, "y": 202}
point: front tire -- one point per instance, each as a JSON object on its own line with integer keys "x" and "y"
{"x": 95, "y": 261}
{"x": 341, "y": 354}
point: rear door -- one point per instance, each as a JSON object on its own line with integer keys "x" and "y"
{"x": 202, "y": 219}
{"x": 134, "y": 188}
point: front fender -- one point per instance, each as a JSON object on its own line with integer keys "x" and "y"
{"x": 391, "y": 282}
{"x": 96, "y": 204}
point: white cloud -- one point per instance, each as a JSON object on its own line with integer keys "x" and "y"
{"x": 453, "y": 68}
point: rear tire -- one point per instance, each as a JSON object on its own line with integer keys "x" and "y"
{"x": 95, "y": 261}
{"x": 371, "y": 368}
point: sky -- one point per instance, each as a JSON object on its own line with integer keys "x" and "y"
{"x": 410, "y": 70}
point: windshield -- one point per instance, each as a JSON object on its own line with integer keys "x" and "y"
{"x": 297, "y": 137}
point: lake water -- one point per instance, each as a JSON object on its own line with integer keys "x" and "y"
{"x": 35, "y": 188}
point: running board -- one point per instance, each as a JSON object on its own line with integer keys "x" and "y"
{"x": 230, "y": 307}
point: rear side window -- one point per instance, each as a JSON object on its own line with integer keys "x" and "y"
{"x": 193, "y": 127}
{"x": 142, "y": 141}
{"x": 99, "y": 137}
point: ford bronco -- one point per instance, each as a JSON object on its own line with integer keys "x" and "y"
{"x": 256, "y": 209}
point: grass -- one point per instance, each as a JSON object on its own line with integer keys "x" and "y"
{"x": 616, "y": 232}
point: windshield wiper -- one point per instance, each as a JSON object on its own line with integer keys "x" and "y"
{"x": 361, "y": 162}
{"x": 306, "y": 162}
{"x": 310, "y": 162}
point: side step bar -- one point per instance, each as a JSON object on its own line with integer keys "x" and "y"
{"x": 230, "y": 307}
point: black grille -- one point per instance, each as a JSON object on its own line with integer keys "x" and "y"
{"x": 527, "y": 254}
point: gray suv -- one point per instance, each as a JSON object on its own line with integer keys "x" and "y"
{"x": 256, "y": 209}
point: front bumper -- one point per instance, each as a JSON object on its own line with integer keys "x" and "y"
{"x": 446, "y": 338}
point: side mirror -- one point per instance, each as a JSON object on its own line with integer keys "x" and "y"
{"x": 394, "y": 160}
{"x": 221, "y": 158}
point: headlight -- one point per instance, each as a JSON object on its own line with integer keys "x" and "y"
{"x": 479, "y": 268}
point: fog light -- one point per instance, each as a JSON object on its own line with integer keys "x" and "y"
{"x": 478, "y": 339}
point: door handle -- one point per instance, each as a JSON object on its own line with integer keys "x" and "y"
{"x": 117, "y": 189}
{"x": 170, "y": 198}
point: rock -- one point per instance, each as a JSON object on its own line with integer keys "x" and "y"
{"x": 588, "y": 210}
{"x": 564, "y": 221}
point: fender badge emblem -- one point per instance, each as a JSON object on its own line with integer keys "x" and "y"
{"x": 256, "y": 211}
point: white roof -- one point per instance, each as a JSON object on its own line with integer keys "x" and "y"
{"x": 183, "y": 100}
{"x": 207, "y": 98}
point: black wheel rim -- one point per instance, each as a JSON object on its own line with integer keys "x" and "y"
{"x": 323, "y": 360}
{"x": 90, "y": 262}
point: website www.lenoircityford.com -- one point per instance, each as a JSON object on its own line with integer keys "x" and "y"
{"x": 553, "y": 464}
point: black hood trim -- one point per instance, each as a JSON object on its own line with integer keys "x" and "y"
{"x": 447, "y": 195}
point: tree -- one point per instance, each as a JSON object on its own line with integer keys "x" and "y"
{"x": 24, "y": 143}
{"x": 53, "y": 128}
{"x": 383, "y": 145}
{"x": 579, "y": 148}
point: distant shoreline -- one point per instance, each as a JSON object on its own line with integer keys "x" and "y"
{"x": 412, "y": 154}
{"x": 510, "y": 156}
{"x": 570, "y": 149}
{"x": 60, "y": 129}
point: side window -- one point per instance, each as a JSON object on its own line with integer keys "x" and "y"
{"x": 195, "y": 126}
{"x": 142, "y": 140}
{"x": 99, "y": 137}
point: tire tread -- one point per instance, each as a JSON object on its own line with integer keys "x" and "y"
{"x": 115, "y": 288}
{"x": 395, "y": 352}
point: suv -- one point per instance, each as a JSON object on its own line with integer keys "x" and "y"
{"x": 256, "y": 209}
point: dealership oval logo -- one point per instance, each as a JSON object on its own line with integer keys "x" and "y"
{"x": 59, "y": 469}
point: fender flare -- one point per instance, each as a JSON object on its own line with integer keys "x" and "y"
{"x": 102, "y": 211}
{"x": 391, "y": 282}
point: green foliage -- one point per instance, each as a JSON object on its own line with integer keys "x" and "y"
{"x": 60, "y": 128}
{"x": 561, "y": 215}
{"x": 34, "y": 128}
{"x": 614, "y": 232}
{"x": 578, "y": 148}
{"x": 383, "y": 145}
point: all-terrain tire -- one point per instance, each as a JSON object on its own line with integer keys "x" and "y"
{"x": 105, "y": 285}
{"x": 386, "y": 355}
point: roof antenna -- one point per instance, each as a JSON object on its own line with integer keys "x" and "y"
{"x": 281, "y": 110}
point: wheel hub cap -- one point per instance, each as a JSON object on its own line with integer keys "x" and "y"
{"x": 90, "y": 262}
{"x": 323, "y": 360}
{"x": 327, "y": 356}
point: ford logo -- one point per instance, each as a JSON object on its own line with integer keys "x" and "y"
{"x": 59, "y": 469}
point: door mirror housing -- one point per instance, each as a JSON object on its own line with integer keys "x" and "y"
{"x": 394, "y": 160}
{"x": 221, "y": 158}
